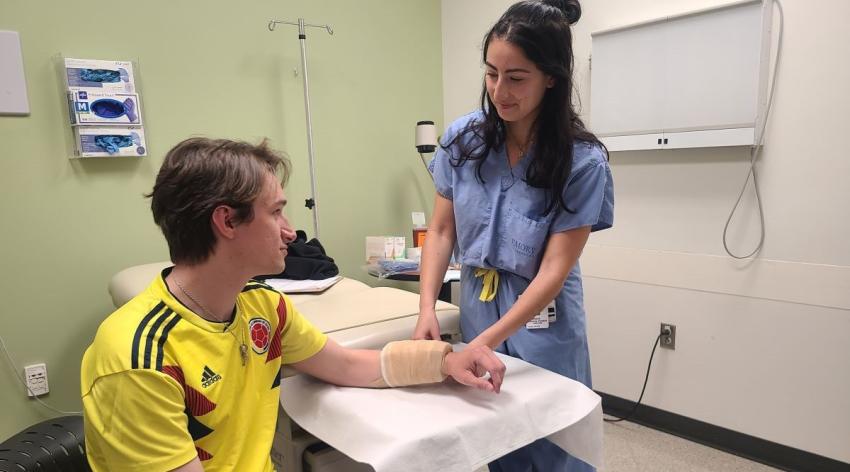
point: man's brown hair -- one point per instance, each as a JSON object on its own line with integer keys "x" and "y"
{"x": 197, "y": 176}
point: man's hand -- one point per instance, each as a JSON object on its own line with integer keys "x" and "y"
{"x": 468, "y": 366}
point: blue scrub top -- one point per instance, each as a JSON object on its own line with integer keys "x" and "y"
{"x": 500, "y": 222}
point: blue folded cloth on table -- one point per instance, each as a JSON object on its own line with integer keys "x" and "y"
{"x": 393, "y": 266}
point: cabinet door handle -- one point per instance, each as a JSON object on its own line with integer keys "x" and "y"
{"x": 659, "y": 140}
{"x": 665, "y": 140}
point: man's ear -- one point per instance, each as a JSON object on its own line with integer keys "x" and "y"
{"x": 222, "y": 221}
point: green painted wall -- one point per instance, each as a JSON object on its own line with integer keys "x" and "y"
{"x": 204, "y": 68}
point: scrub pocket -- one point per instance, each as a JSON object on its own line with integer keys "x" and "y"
{"x": 523, "y": 240}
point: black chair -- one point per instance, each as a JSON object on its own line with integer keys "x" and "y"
{"x": 55, "y": 445}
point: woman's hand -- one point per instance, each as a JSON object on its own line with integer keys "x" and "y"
{"x": 427, "y": 326}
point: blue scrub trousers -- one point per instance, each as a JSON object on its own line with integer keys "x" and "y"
{"x": 561, "y": 348}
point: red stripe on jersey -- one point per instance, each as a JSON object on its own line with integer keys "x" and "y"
{"x": 203, "y": 455}
{"x": 176, "y": 373}
{"x": 197, "y": 403}
{"x": 281, "y": 312}
{"x": 274, "y": 348}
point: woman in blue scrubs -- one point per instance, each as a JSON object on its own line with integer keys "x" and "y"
{"x": 521, "y": 184}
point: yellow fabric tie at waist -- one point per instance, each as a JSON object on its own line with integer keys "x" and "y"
{"x": 490, "y": 284}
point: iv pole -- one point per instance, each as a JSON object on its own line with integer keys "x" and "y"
{"x": 312, "y": 202}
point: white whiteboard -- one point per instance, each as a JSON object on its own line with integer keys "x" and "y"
{"x": 693, "y": 72}
{"x": 13, "y": 86}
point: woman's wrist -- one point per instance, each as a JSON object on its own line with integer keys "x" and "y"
{"x": 427, "y": 303}
{"x": 427, "y": 311}
{"x": 484, "y": 339}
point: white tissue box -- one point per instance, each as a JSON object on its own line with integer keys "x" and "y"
{"x": 399, "y": 244}
{"x": 384, "y": 247}
{"x": 379, "y": 247}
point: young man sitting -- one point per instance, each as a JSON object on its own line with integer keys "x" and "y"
{"x": 186, "y": 376}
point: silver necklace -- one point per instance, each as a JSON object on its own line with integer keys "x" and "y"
{"x": 522, "y": 149}
{"x": 243, "y": 348}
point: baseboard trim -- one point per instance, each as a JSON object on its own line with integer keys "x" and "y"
{"x": 753, "y": 448}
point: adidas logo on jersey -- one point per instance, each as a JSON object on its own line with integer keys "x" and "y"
{"x": 209, "y": 377}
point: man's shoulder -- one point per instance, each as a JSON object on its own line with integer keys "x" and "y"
{"x": 123, "y": 333}
{"x": 260, "y": 287}
{"x": 125, "y": 321}
{"x": 260, "y": 296}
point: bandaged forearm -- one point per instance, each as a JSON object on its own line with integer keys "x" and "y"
{"x": 412, "y": 363}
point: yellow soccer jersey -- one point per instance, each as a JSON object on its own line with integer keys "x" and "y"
{"x": 161, "y": 385}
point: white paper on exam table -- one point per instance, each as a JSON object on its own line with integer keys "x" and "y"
{"x": 452, "y": 275}
{"x": 302, "y": 286}
{"x": 449, "y": 427}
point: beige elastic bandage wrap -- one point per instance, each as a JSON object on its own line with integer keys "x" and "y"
{"x": 412, "y": 363}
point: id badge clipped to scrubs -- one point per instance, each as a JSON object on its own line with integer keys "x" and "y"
{"x": 542, "y": 319}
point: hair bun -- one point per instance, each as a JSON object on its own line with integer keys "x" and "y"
{"x": 570, "y": 8}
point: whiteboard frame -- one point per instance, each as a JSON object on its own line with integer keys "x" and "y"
{"x": 712, "y": 9}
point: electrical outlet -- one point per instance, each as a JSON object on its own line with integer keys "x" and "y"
{"x": 36, "y": 377}
{"x": 668, "y": 335}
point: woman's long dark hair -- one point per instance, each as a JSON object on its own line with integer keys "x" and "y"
{"x": 541, "y": 29}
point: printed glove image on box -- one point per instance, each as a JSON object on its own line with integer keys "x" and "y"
{"x": 110, "y": 142}
{"x": 104, "y": 108}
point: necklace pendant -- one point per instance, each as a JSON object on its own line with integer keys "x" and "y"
{"x": 243, "y": 353}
